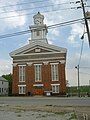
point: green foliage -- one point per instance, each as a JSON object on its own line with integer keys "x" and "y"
{"x": 73, "y": 91}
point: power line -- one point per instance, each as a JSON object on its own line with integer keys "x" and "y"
{"x": 42, "y": 12}
{"x": 30, "y": 2}
{"x": 85, "y": 67}
{"x": 84, "y": 73}
{"x": 11, "y": 5}
{"x": 49, "y": 27}
{"x": 87, "y": 6}
{"x": 66, "y": 23}
{"x": 86, "y": 22}
{"x": 38, "y": 7}
{"x": 81, "y": 52}
{"x": 14, "y": 34}
{"x": 81, "y": 46}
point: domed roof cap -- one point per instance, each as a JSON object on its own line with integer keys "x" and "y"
{"x": 38, "y": 15}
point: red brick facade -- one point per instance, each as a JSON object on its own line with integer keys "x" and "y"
{"x": 46, "y": 80}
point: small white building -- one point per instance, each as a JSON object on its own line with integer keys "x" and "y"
{"x": 4, "y": 85}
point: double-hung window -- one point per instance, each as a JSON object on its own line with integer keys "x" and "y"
{"x": 22, "y": 89}
{"x": 38, "y": 72}
{"x": 55, "y": 88}
{"x": 22, "y": 73}
{"x": 54, "y": 71}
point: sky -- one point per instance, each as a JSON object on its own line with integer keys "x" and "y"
{"x": 18, "y": 15}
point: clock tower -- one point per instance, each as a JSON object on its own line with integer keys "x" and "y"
{"x": 39, "y": 29}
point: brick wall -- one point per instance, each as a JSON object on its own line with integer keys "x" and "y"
{"x": 46, "y": 79}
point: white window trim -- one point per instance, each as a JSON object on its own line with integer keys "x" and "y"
{"x": 22, "y": 89}
{"x": 19, "y": 73}
{"x": 55, "y": 87}
{"x": 54, "y": 84}
{"x": 21, "y": 65}
{"x": 38, "y": 85}
{"x": 21, "y": 85}
{"x": 54, "y": 63}
{"x": 40, "y": 73}
{"x": 54, "y": 72}
{"x": 37, "y": 64}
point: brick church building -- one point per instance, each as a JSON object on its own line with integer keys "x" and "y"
{"x": 39, "y": 67}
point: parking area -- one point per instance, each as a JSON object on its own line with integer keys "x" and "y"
{"x": 44, "y": 108}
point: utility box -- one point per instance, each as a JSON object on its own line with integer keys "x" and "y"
{"x": 88, "y": 15}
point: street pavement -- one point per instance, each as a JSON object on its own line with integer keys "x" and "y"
{"x": 41, "y": 100}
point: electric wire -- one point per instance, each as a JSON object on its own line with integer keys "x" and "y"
{"x": 66, "y": 23}
{"x": 24, "y": 3}
{"x": 87, "y": 6}
{"x": 31, "y": 2}
{"x": 49, "y": 27}
{"x": 15, "y": 34}
{"x": 5, "y": 12}
{"x": 52, "y": 5}
{"x": 81, "y": 52}
{"x": 81, "y": 47}
{"x": 85, "y": 67}
{"x": 35, "y": 13}
{"x": 84, "y": 73}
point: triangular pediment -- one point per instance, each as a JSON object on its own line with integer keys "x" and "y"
{"x": 37, "y": 48}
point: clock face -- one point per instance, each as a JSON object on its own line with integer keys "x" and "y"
{"x": 37, "y": 21}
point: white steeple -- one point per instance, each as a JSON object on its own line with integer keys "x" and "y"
{"x": 39, "y": 29}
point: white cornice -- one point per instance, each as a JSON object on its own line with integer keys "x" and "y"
{"x": 46, "y": 53}
{"x": 29, "y": 63}
{"x": 62, "y": 61}
{"x": 55, "y": 63}
{"x": 46, "y": 63}
{"x": 42, "y": 59}
{"x": 22, "y": 65}
{"x": 14, "y": 64}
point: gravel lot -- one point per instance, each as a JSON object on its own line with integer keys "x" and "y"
{"x": 10, "y": 112}
{"x": 29, "y": 108}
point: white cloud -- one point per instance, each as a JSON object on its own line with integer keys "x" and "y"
{"x": 58, "y": 1}
{"x": 55, "y": 32}
{"x": 11, "y": 22}
{"x": 50, "y": 41}
{"x": 71, "y": 76}
{"x": 72, "y": 73}
{"x": 51, "y": 19}
{"x": 15, "y": 21}
{"x": 5, "y": 67}
{"x": 76, "y": 31}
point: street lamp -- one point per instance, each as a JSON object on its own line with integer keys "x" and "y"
{"x": 78, "y": 87}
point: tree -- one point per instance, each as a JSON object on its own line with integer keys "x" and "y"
{"x": 9, "y": 78}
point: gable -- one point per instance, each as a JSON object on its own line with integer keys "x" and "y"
{"x": 37, "y": 48}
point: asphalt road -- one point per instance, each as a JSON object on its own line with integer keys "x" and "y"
{"x": 40, "y": 100}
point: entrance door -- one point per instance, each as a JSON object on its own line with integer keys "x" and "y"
{"x": 38, "y": 91}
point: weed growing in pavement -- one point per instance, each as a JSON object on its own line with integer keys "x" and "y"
{"x": 18, "y": 115}
{"x": 73, "y": 116}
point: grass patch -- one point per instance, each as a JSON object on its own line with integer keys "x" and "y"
{"x": 73, "y": 116}
{"x": 60, "y": 113}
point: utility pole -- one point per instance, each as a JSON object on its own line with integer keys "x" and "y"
{"x": 78, "y": 87}
{"x": 86, "y": 22}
